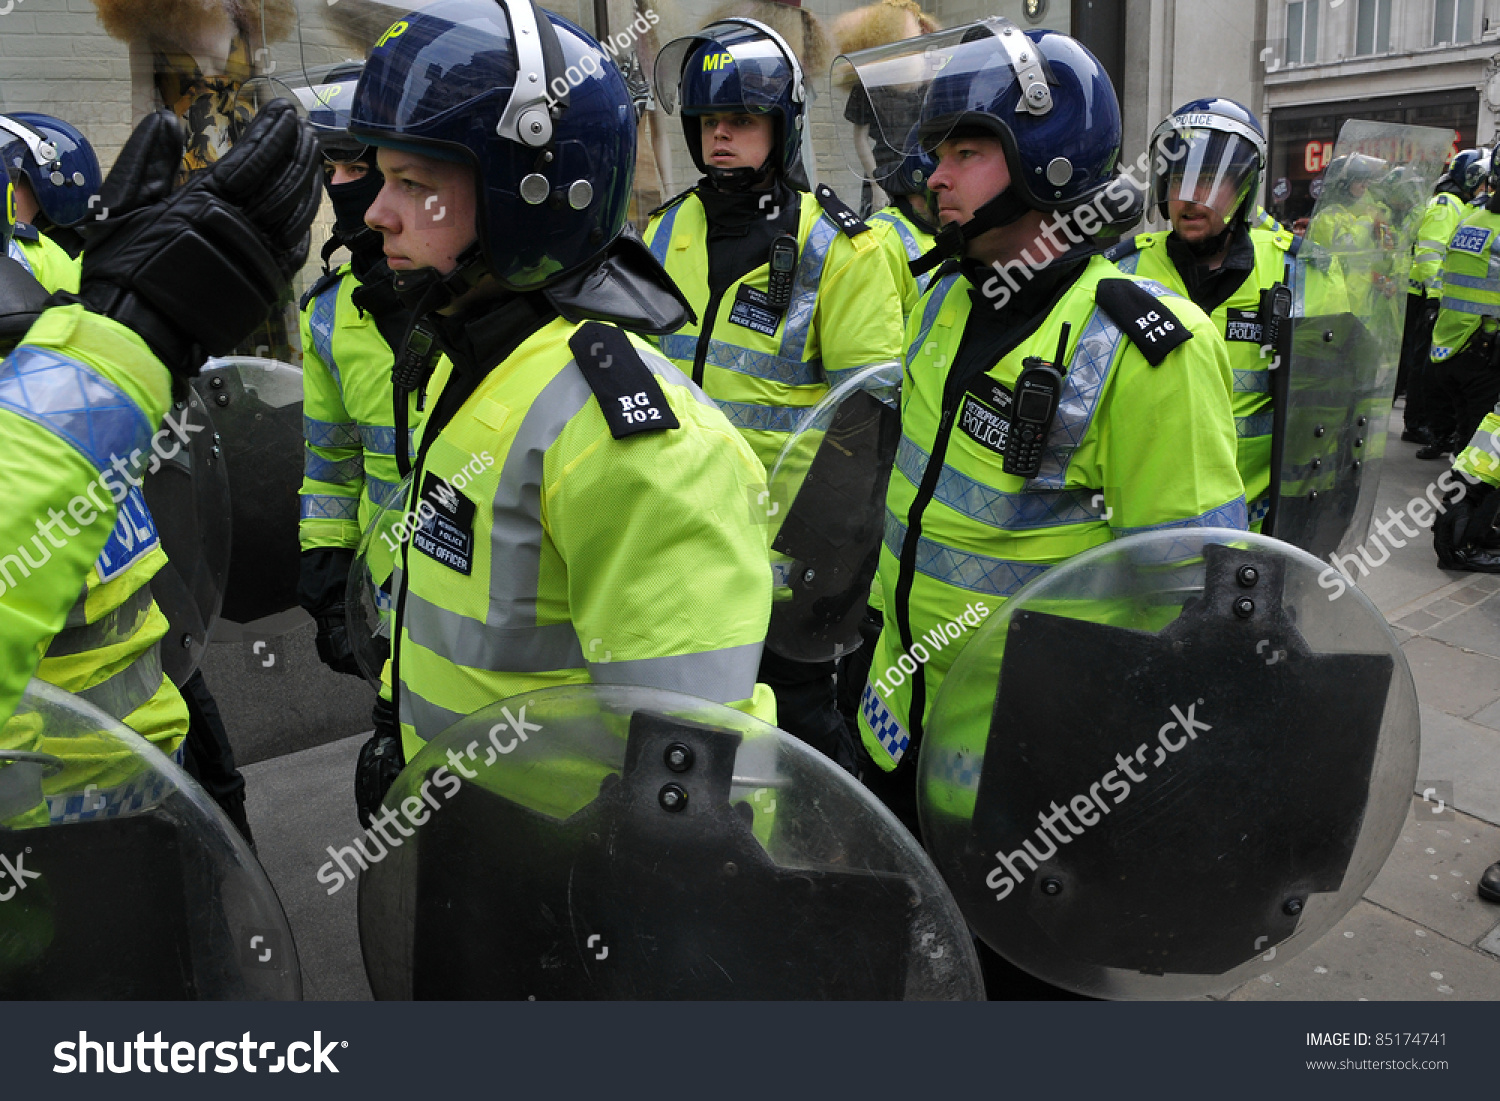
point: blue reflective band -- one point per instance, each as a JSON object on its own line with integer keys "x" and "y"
{"x": 381, "y": 439}
{"x": 1258, "y": 424}
{"x": 382, "y": 494}
{"x": 322, "y": 506}
{"x": 799, "y": 313}
{"x": 341, "y": 472}
{"x": 663, "y": 239}
{"x": 893, "y": 738}
{"x": 1233, "y": 515}
{"x": 330, "y": 433}
{"x": 761, "y": 418}
{"x": 1253, "y": 381}
{"x": 976, "y": 572}
{"x": 73, "y": 401}
{"x": 1007, "y": 511}
{"x": 320, "y": 325}
{"x": 930, "y": 314}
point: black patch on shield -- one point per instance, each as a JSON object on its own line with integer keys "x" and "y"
{"x": 1193, "y": 871}
{"x": 832, "y": 532}
{"x": 629, "y": 900}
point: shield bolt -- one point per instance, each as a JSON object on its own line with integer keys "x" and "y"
{"x": 1359, "y": 441}
{"x": 1360, "y": 423}
{"x": 1316, "y": 463}
{"x": 807, "y": 576}
{"x": 216, "y": 382}
{"x": 1292, "y": 907}
{"x": 1318, "y": 431}
{"x": 679, "y": 757}
{"x": 1244, "y": 607}
{"x": 1327, "y": 336}
{"x": 1051, "y": 886}
{"x": 673, "y": 798}
{"x": 187, "y": 642}
{"x": 1248, "y": 576}
{"x": 221, "y": 399}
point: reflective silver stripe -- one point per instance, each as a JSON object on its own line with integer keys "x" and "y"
{"x": 930, "y": 313}
{"x": 799, "y": 313}
{"x": 476, "y": 645}
{"x": 1257, "y": 424}
{"x": 323, "y": 506}
{"x": 723, "y": 676}
{"x": 1253, "y": 381}
{"x": 1006, "y": 511}
{"x": 320, "y": 326}
{"x": 1437, "y": 247}
{"x": 73, "y": 402}
{"x": 1483, "y": 309}
{"x": 381, "y": 493}
{"x": 1473, "y": 282}
{"x": 79, "y": 635}
{"x": 129, "y": 688}
{"x": 908, "y": 239}
{"x": 1092, "y": 361}
{"x": 744, "y": 361}
{"x": 762, "y": 418}
{"x": 1233, "y": 515}
{"x": 18, "y": 254}
{"x": 338, "y": 472}
{"x": 976, "y": 572}
{"x": 330, "y": 433}
{"x": 1128, "y": 264}
{"x": 381, "y": 439}
{"x": 663, "y": 239}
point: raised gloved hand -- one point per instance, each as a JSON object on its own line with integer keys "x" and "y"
{"x": 380, "y": 762}
{"x": 194, "y": 272}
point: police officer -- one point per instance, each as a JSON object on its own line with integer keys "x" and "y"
{"x": 1128, "y": 426}
{"x": 1465, "y": 364}
{"x": 911, "y": 220}
{"x": 581, "y": 508}
{"x": 1440, "y": 217}
{"x": 82, "y": 394}
{"x": 351, "y": 321}
{"x": 1207, "y": 158}
{"x": 792, "y": 291}
{"x": 56, "y": 176}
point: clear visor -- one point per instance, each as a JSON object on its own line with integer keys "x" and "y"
{"x": 909, "y": 95}
{"x": 737, "y": 70}
{"x": 1207, "y": 167}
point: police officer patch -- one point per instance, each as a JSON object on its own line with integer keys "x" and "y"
{"x": 446, "y": 534}
{"x": 1470, "y": 239}
{"x": 753, "y": 310}
{"x": 985, "y": 414}
{"x": 1242, "y": 325}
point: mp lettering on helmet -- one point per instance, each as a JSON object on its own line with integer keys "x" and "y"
{"x": 717, "y": 61}
{"x": 397, "y": 29}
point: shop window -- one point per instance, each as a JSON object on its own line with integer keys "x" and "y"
{"x": 1372, "y": 27}
{"x": 1302, "y": 32}
{"x": 1453, "y": 22}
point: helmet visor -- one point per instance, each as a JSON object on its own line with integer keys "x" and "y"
{"x": 1208, "y": 167}
{"x": 725, "y": 68}
{"x": 909, "y": 96}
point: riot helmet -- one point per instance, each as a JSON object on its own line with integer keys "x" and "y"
{"x": 1348, "y": 177}
{"x": 1468, "y": 169}
{"x": 7, "y": 210}
{"x": 328, "y": 100}
{"x": 528, "y": 101}
{"x": 1210, "y": 152}
{"x": 1040, "y": 93}
{"x": 57, "y": 161}
{"x": 738, "y": 66}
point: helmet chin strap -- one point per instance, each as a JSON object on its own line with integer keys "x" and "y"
{"x": 427, "y": 291}
{"x": 735, "y": 180}
{"x": 1004, "y": 209}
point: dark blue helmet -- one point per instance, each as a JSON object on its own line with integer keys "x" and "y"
{"x": 911, "y": 175}
{"x": 1046, "y": 98}
{"x": 1207, "y": 149}
{"x": 329, "y": 101}
{"x": 553, "y": 148}
{"x": 1468, "y": 169}
{"x": 56, "y": 159}
{"x": 735, "y": 66}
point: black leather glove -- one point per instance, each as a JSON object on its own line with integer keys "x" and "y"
{"x": 380, "y": 762}
{"x": 193, "y": 273}
{"x": 321, "y": 586}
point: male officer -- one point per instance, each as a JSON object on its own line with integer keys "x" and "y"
{"x": 792, "y": 291}
{"x": 54, "y": 167}
{"x": 1126, "y": 425}
{"x": 82, "y": 394}
{"x": 1206, "y": 163}
{"x": 351, "y": 322}
{"x": 587, "y": 508}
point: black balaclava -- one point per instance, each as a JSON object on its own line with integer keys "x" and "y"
{"x": 350, "y": 202}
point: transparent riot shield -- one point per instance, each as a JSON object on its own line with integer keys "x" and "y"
{"x": 188, "y": 495}
{"x": 826, "y": 505}
{"x": 125, "y": 880}
{"x": 598, "y": 842}
{"x": 369, "y": 602}
{"x": 1343, "y": 342}
{"x": 1167, "y": 760}
{"x": 257, "y": 407}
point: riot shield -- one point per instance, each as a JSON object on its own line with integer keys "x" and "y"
{"x": 595, "y": 842}
{"x": 123, "y": 879}
{"x": 257, "y": 407}
{"x": 1341, "y": 349}
{"x": 1167, "y": 760}
{"x": 830, "y": 479}
{"x": 369, "y": 601}
{"x": 188, "y": 495}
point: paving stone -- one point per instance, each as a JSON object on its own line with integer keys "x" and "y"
{"x": 1491, "y": 943}
{"x": 1449, "y": 679}
{"x": 1443, "y": 608}
{"x": 1376, "y": 955}
{"x": 1489, "y": 717}
{"x": 1466, "y": 754}
{"x": 1476, "y": 629}
{"x": 1418, "y": 622}
{"x": 1431, "y": 873}
{"x": 1472, "y": 595}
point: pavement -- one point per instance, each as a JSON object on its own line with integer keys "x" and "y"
{"x": 1419, "y": 933}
